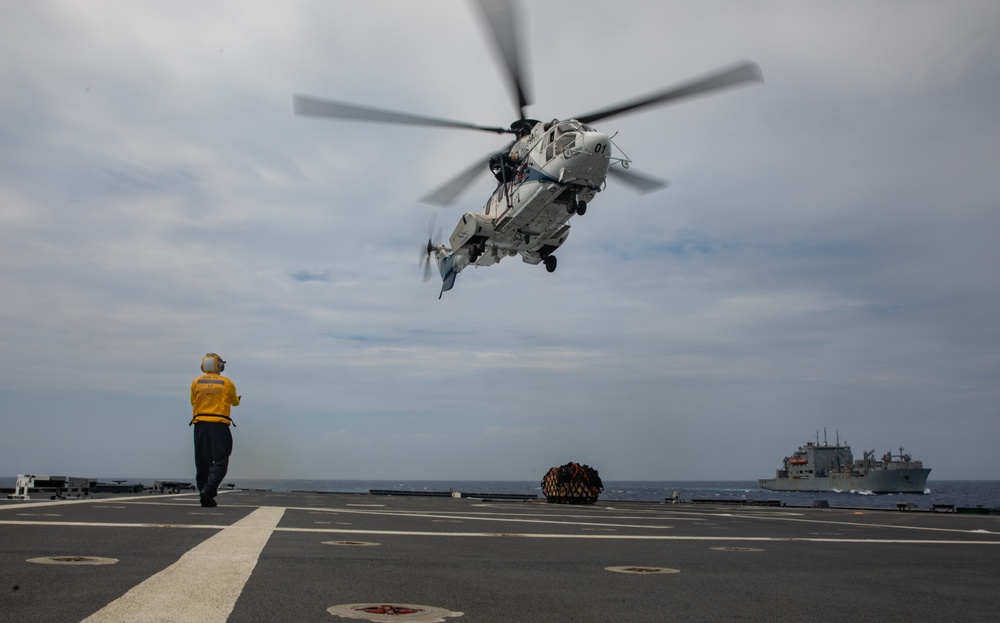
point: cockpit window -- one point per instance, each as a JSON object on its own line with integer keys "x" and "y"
{"x": 565, "y": 141}
{"x": 560, "y": 139}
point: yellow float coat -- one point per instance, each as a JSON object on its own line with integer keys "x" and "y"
{"x": 211, "y": 397}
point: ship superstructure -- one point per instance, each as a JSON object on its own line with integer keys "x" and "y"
{"x": 815, "y": 467}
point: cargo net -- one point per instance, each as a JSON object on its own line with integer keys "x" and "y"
{"x": 572, "y": 484}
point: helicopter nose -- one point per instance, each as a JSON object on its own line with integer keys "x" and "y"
{"x": 597, "y": 150}
{"x": 587, "y": 162}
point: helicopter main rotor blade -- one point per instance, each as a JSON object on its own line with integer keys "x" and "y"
{"x": 448, "y": 192}
{"x": 501, "y": 18}
{"x": 744, "y": 72}
{"x": 639, "y": 181}
{"x": 315, "y": 107}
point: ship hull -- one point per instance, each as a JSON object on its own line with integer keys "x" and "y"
{"x": 910, "y": 480}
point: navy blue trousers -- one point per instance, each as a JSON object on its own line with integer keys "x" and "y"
{"x": 213, "y": 443}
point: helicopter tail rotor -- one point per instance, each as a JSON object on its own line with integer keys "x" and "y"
{"x": 425, "y": 253}
{"x": 431, "y": 247}
{"x": 447, "y": 263}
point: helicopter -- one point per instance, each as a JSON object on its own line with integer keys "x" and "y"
{"x": 548, "y": 174}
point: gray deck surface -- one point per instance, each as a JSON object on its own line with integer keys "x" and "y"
{"x": 269, "y": 556}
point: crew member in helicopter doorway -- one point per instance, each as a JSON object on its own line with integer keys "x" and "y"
{"x": 211, "y": 397}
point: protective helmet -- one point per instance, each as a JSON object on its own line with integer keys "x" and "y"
{"x": 212, "y": 364}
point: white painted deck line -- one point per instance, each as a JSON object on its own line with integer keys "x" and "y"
{"x": 204, "y": 584}
{"x": 19, "y": 504}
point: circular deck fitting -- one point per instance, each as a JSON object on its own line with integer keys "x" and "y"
{"x": 379, "y": 612}
{"x": 643, "y": 570}
{"x": 352, "y": 543}
{"x": 73, "y": 560}
{"x": 737, "y": 549}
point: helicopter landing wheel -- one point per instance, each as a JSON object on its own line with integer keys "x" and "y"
{"x": 581, "y": 207}
{"x": 550, "y": 263}
{"x": 473, "y": 254}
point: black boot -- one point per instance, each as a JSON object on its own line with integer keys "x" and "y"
{"x": 207, "y": 498}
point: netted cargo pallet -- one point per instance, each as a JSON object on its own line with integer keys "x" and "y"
{"x": 572, "y": 483}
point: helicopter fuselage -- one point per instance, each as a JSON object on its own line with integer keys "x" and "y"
{"x": 547, "y": 176}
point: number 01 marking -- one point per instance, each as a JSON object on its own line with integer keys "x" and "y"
{"x": 600, "y": 147}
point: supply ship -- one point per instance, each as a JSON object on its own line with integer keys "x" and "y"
{"x": 815, "y": 467}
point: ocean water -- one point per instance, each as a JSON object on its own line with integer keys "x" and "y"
{"x": 961, "y": 493}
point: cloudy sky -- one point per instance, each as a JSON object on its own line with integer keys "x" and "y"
{"x": 825, "y": 257}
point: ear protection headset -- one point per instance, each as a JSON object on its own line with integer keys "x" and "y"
{"x": 212, "y": 364}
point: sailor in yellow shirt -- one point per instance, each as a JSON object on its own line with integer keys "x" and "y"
{"x": 211, "y": 396}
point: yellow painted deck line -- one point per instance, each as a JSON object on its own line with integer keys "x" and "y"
{"x": 204, "y": 584}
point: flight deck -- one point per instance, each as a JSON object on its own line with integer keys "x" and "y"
{"x": 301, "y": 556}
